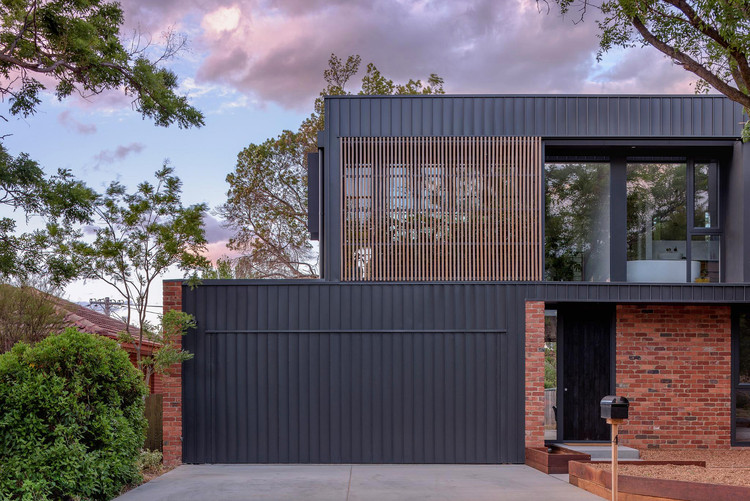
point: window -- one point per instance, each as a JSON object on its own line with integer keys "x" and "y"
{"x": 673, "y": 227}
{"x": 741, "y": 377}
{"x": 577, "y": 222}
{"x": 656, "y": 222}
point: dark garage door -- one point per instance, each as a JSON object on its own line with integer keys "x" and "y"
{"x": 348, "y": 397}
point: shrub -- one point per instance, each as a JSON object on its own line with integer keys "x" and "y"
{"x": 150, "y": 461}
{"x": 71, "y": 419}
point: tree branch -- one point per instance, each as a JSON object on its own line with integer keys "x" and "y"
{"x": 691, "y": 65}
{"x": 703, "y": 27}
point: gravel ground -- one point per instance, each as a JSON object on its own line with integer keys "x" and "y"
{"x": 725, "y": 476}
{"x": 728, "y": 467}
{"x": 735, "y": 458}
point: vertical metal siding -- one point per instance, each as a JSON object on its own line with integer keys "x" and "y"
{"x": 375, "y": 374}
{"x": 317, "y": 372}
{"x": 391, "y": 398}
{"x": 548, "y": 116}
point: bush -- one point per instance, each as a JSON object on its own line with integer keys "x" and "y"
{"x": 150, "y": 461}
{"x": 71, "y": 419}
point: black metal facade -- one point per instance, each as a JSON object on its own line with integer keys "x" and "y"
{"x": 320, "y": 371}
{"x": 657, "y": 121}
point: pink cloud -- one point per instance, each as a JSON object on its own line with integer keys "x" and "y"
{"x": 218, "y": 250}
{"x": 277, "y": 50}
{"x": 67, "y": 120}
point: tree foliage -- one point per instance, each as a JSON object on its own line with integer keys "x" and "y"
{"x": 139, "y": 236}
{"x": 78, "y": 46}
{"x": 60, "y": 201}
{"x": 26, "y": 314}
{"x": 173, "y": 325}
{"x": 710, "y": 38}
{"x": 72, "y": 421}
{"x": 267, "y": 198}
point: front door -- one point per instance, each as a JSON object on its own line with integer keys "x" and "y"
{"x": 585, "y": 346}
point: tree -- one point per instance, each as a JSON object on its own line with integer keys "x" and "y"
{"x": 60, "y": 201}
{"x": 710, "y": 38}
{"x": 267, "y": 197}
{"x": 224, "y": 268}
{"x": 26, "y": 314}
{"x": 77, "y": 44}
{"x": 139, "y": 236}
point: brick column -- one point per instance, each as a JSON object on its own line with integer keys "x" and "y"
{"x": 172, "y": 386}
{"x": 534, "y": 373}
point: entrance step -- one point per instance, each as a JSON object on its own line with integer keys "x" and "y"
{"x": 603, "y": 452}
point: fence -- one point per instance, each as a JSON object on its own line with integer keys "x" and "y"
{"x": 154, "y": 418}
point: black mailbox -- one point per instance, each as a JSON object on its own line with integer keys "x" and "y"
{"x": 614, "y": 407}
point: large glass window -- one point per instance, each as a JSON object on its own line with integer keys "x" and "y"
{"x": 672, "y": 229}
{"x": 577, "y": 222}
{"x": 656, "y": 222}
{"x": 665, "y": 218}
{"x": 741, "y": 378}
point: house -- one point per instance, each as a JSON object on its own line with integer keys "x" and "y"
{"x": 452, "y": 230}
{"x": 91, "y": 321}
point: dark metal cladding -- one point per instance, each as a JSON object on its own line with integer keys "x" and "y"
{"x": 315, "y": 373}
{"x": 653, "y": 119}
{"x": 309, "y": 371}
{"x": 548, "y": 116}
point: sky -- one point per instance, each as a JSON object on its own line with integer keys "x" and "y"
{"x": 254, "y": 68}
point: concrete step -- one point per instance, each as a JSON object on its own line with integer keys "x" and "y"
{"x": 603, "y": 452}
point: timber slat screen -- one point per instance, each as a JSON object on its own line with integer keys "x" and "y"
{"x": 441, "y": 208}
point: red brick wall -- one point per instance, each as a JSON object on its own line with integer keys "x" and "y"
{"x": 674, "y": 364}
{"x": 534, "y": 373}
{"x": 172, "y": 387}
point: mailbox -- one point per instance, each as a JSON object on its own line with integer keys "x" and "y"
{"x": 614, "y": 407}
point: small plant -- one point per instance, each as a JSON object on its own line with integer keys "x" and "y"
{"x": 150, "y": 461}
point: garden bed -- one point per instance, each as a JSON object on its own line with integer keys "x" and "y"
{"x": 682, "y": 480}
{"x": 552, "y": 460}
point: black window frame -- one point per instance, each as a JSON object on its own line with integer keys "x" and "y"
{"x": 618, "y": 158}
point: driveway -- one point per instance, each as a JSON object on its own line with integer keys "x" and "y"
{"x": 356, "y": 483}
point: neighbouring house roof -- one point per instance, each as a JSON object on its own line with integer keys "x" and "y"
{"x": 93, "y": 322}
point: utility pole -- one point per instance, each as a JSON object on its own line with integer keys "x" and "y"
{"x": 107, "y": 304}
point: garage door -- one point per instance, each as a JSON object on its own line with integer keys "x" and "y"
{"x": 387, "y": 396}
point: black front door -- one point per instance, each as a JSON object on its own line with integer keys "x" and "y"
{"x": 585, "y": 342}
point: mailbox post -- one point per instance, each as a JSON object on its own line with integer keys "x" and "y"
{"x": 615, "y": 411}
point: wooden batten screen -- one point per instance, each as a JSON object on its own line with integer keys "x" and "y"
{"x": 441, "y": 208}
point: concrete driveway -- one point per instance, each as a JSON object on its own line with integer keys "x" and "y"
{"x": 356, "y": 483}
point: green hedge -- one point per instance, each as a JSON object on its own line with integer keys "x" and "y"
{"x": 71, "y": 419}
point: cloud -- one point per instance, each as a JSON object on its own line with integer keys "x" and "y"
{"x": 275, "y": 51}
{"x": 218, "y": 250}
{"x": 119, "y": 153}
{"x": 215, "y": 230}
{"x": 67, "y": 120}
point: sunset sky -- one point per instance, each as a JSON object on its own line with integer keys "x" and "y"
{"x": 254, "y": 68}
